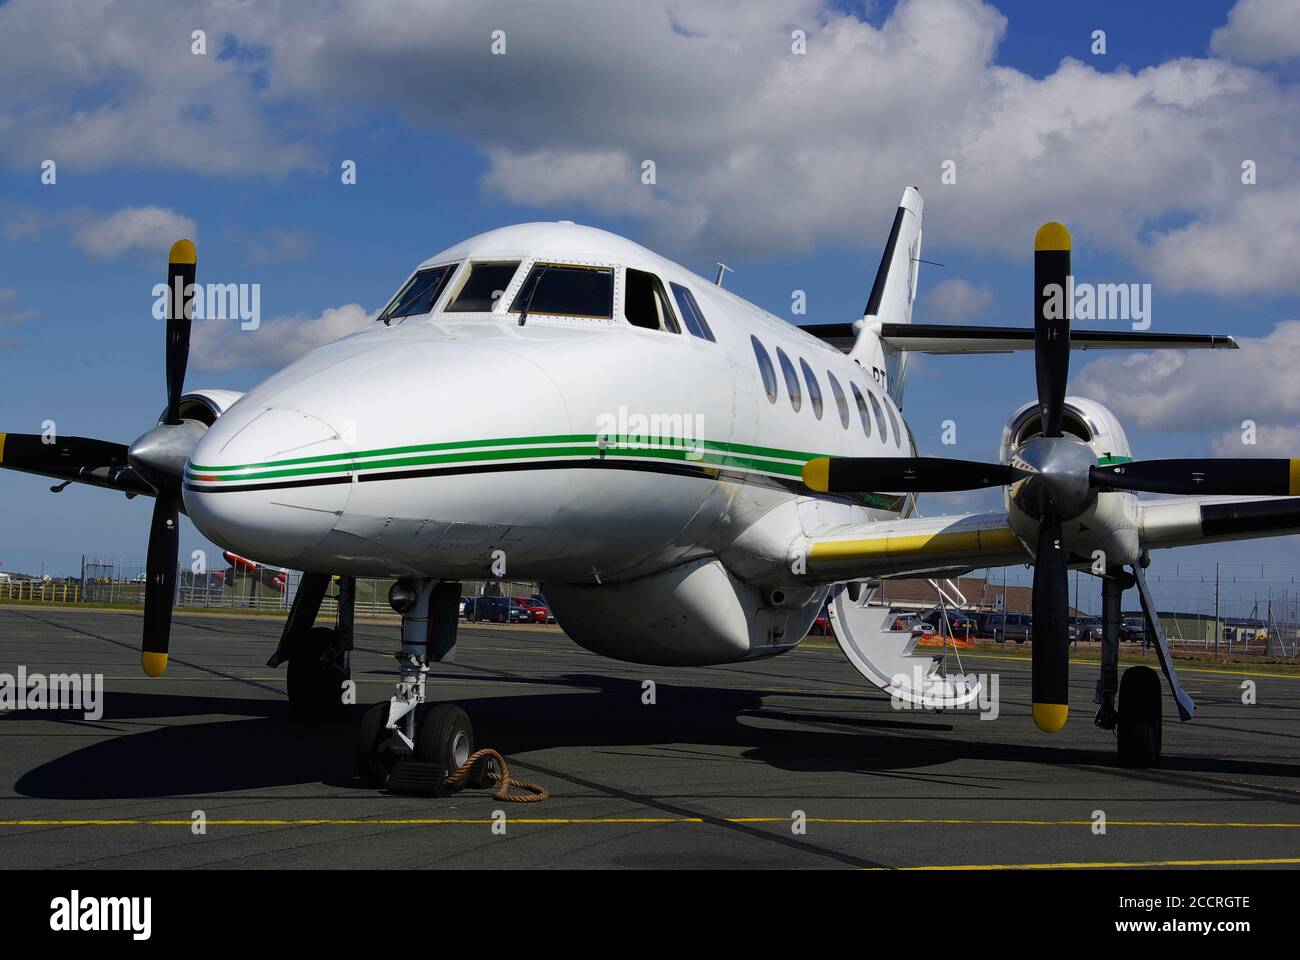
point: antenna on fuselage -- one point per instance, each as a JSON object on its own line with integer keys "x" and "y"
{"x": 722, "y": 269}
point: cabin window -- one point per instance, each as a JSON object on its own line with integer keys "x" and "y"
{"x": 420, "y": 293}
{"x": 692, "y": 315}
{"x": 880, "y": 416}
{"x": 841, "y": 402}
{"x": 893, "y": 422}
{"x": 814, "y": 389}
{"x": 645, "y": 304}
{"x": 562, "y": 290}
{"x": 791, "y": 380}
{"x": 862, "y": 408}
{"x": 484, "y": 286}
{"x": 765, "y": 368}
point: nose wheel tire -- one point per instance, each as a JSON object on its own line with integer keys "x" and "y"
{"x": 1139, "y": 726}
{"x": 373, "y": 762}
{"x": 315, "y": 685}
{"x": 444, "y": 740}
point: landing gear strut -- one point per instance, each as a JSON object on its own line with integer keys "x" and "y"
{"x": 318, "y": 656}
{"x": 1136, "y": 719}
{"x": 406, "y": 743}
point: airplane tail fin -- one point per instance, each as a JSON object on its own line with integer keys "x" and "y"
{"x": 892, "y": 293}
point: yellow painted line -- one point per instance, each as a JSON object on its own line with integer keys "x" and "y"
{"x": 1101, "y": 865}
{"x": 846, "y": 821}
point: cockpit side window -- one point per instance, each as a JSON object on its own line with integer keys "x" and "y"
{"x": 692, "y": 316}
{"x": 420, "y": 293}
{"x": 563, "y": 290}
{"x": 486, "y": 282}
{"x": 645, "y": 304}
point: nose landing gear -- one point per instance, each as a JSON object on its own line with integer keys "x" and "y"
{"x": 406, "y": 743}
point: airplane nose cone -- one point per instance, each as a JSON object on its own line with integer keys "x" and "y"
{"x": 272, "y": 512}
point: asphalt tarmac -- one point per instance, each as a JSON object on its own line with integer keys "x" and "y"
{"x": 787, "y": 763}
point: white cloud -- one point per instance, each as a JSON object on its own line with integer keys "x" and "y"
{"x": 955, "y": 299}
{"x": 1260, "y": 31}
{"x": 11, "y": 316}
{"x": 1250, "y": 247}
{"x": 1197, "y": 389}
{"x": 280, "y": 246}
{"x": 144, "y": 229}
{"x": 757, "y": 150}
{"x": 94, "y": 85}
{"x": 1271, "y": 440}
{"x": 222, "y": 345}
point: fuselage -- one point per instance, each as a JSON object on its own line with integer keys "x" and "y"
{"x": 572, "y": 446}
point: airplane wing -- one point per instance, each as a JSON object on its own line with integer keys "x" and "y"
{"x": 912, "y": 546}
{"x": 1190, "y": 520}
{"x": 948, "y": 545}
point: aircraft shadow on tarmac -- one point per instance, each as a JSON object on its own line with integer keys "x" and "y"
{"x": 258, "y": 743}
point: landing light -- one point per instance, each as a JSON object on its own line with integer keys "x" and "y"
{"x": 402, "y": 596}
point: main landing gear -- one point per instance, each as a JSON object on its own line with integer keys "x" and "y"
{"x": 406, "y": 743}
{"x": 318, "y": 657}
{"x": 1131, "y": 706}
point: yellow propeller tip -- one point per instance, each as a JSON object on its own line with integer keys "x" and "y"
{"x": 816, "y": 474}
{"x": 1052, "y": 236}
{"x": 154, "y": 663}
{"x": 2, "y": 447}
{"x": 1050, "y": 717}
{"x": 183, "y": 251}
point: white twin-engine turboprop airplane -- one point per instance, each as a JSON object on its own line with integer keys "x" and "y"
{"x": 690, "y": 477}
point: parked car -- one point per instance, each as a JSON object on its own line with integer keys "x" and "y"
{"x": 1010, "y": 626}
{"x": 541, "y": 613}
{"x": 962, "y": 625}
{"x": 496, "y": 610}
{"x": 1132, "y": 630}
{"x": 1087, "y": 629}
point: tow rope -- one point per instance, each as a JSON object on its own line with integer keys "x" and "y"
{"x": 456, "y": 780}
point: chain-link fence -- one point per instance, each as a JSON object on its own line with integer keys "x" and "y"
{"x": 240, "y": 585}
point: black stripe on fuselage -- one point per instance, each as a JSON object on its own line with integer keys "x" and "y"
{"x": 675, "y": 469}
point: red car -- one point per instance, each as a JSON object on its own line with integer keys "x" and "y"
{"x": 541, "y": 613}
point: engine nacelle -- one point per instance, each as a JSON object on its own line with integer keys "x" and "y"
{"x": 1086, "y": 419}
{"x": 206, "y": 405}
{"x": 1111, "y": 523}
{"x": 696, "y": 614}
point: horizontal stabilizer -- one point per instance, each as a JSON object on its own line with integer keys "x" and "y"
{"x": 957, "y": 338}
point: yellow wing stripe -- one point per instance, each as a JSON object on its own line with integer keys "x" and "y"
{"x": 911, "y": 545}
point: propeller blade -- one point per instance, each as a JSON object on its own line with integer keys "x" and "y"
{"x": 160, "y": 585}
{"x": 1265, "y": 478}
{"x": 903, "y": 474}
{"x": 1051, "y": 641}
{"x": 1051, "y": 322}
{"x": 181, "y": 266}
{"x": 82, "y": 459}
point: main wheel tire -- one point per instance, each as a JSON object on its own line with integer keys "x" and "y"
{"x": 1139, "y": 726}
{"x": 315, "y": 688}
{"x": 373, "y": 763}
{"x": 444, "y": 740}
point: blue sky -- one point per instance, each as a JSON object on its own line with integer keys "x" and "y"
{"x": 1136, "y": 153}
